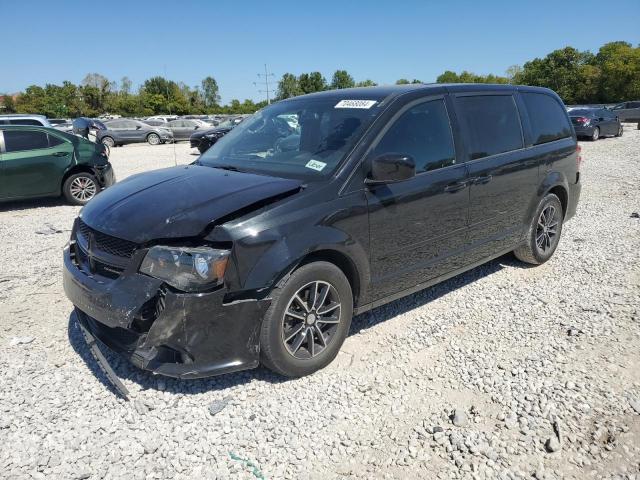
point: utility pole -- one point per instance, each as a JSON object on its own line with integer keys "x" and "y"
{"x": 264, "y": 80}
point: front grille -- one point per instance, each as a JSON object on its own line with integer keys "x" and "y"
{"x": 107, "y": 243}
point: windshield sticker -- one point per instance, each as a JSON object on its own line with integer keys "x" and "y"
{"x": 355, "y": 104}
{"x": 315, "y": 165}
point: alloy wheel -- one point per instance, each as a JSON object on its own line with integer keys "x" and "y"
{"x": 547, "y": 228}
{"x": 83, "y": 189}
{"x": 311, "y": 319}
{"x": 153, "y": 139}
{"x": 596, "y": 134}
{"x": 109, "y": 142}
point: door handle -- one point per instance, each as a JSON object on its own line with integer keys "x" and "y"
{"x": 482, "y": 180}
{"x": 61, "y": 154}
{"x": 456, "y": 186}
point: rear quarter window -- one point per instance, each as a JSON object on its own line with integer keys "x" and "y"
{"x": 547, "y": 117}
{"x": 491, "y": 124}
{"x": 25, "y": 121}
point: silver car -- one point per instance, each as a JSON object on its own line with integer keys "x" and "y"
{"x": 183, "y": 128}
{"x": 124, "y": 130}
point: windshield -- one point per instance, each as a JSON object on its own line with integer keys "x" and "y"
{"x": 305, "y": 138}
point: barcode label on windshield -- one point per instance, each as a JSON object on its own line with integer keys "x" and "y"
{"x": 315, "y": 165}
{"x": 355, "y": 104}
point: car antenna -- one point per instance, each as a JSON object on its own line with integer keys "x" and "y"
{"x": 175, "y": 158}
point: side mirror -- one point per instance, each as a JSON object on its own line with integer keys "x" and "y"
{"x": 196, "y": 127}
{"x": 390, "y": 168}
{"x": 138, "y": 127}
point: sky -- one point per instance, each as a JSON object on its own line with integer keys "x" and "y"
{"x": 187, "y": 40}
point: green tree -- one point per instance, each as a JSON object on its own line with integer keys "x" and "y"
{"x": 210, "y": 92}
{"x": 619, "y": 66}
{"x": 561, "y": 71}
{"x": 312, "y": 82}
{"x": 366, "y": 83}
{"x": 448, "y": 77}
{"x": 288, "y": 87}
{"x": 402, "y": 81}
{"x": 7, "y": 105}
{"x": 342, "y": 79}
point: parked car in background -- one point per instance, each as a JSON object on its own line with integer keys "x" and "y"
{"x": 45, "y": 162}
{"x": 267, "y": 252}
{"x": 66, "y": 126}
{"x": 155, "y": 123}
{"x": 24, "y": 119}
{"x": 166, "y": 118}
{"x": 123, "y": 131}
{"x": 58, "y": 121}
{"x": 203, "y": 139}
{"x": 628, "y": 111}
{"x": 594, "y": 123}
{"x": 182, "y": 129}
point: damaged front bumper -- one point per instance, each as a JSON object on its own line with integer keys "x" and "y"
{"x": 184, "y": 335}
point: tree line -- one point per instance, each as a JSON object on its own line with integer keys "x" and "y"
{"x": 608, "y": 76}
{"x": 97, "y": 95}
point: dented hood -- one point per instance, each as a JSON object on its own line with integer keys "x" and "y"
{"x": 177, "y": 202}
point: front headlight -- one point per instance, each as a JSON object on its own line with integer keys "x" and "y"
{"x": 187, "y": 269}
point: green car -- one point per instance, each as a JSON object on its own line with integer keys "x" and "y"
{"x": 44, "y": 162}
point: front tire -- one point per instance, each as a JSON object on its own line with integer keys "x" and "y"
{"x": 544, "y": 232}
{"x": 153, "y": 139}
{"x": 308, "y": 320}
{"x": 596, "y": 134}
{"x": 108, "y": 141}
{"x": 79, "y": 188}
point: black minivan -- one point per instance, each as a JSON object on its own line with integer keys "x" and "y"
{"x": 313, "y": 210}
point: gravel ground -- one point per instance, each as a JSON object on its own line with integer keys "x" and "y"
{"x": 502, "y": 372}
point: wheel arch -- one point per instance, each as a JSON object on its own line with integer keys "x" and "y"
{"x": 76, "y": 169}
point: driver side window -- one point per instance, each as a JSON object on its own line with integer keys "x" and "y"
{"x": 424, "y": 132}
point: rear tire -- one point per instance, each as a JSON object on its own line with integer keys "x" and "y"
{"x": 620, "y": 131}
{"x": 79, "y": 188}
{"x": 595, "y": 135}
{"x": 308, "y": 320}
{"x": 544, "y": 232}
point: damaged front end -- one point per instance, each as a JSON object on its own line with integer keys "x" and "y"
{"x": 169, "y": 331}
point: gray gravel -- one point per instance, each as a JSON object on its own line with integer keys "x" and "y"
{"x": 503, "y": 372}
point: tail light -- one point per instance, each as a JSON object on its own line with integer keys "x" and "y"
{"x": 578, "y": 156}
{"x": 583, "y": 120}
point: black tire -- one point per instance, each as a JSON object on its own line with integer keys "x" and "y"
{"x": 108, "y": 141}
{"x": 620, "y": 131}
{"x": 532, "y": 251}
{"x": 79, "y": 188}
{"x": 595, "y": 135}
{"x": 276, "y": 350}
{"x": 153, "y": 139}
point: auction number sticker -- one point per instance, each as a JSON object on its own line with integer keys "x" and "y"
{"x": 355, "y": 104}
{"x": 315, "y": 165}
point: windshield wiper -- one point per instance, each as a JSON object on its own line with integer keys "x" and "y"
{"x": 231, "y": 168}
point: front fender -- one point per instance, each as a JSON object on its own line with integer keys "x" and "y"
{"x": 287, "y": 253}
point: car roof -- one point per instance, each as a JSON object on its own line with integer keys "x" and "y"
{"x": 387, "y": 92}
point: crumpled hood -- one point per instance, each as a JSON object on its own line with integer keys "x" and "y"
{"x": 177, "y": 202}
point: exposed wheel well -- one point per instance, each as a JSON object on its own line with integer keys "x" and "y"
{"x": 561, "y": 193}
{"x": 74, "y": 170}
{"x": 341, "y": 261}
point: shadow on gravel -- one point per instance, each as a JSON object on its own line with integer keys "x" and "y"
{"x": 18, "y": 205}
{"x": 146, "y": 380}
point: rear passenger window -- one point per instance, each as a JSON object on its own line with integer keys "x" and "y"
{"x": 548, "y": 119}
{"x": 20, "y": 140}
{"x": 424, "y": 133}
{"x": 55, "y": 141}
{"x": 491, "y": 124}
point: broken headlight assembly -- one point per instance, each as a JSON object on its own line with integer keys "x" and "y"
{"x": 187, "y": 269}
